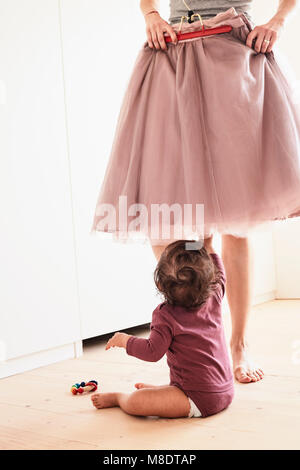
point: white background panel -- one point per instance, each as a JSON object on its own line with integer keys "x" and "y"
{"x": 39, "y": 307}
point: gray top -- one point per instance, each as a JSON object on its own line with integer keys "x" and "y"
{"x": 207, "y": 8}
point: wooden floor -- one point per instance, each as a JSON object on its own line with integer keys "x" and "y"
{"x": 37, "y": 410}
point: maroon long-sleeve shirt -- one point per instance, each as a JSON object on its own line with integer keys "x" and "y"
{"x": 194, "y": 343}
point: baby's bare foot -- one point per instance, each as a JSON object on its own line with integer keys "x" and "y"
{"x": 104, "y": 400}
{"x": 142, "y": 385}
{"x": 245, "y": 371}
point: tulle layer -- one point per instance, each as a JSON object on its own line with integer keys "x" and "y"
{"x": 208, "y": 122}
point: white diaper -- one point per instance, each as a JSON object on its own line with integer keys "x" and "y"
{"x": 194, "y": 411}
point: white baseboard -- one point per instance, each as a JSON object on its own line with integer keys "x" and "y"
{"x": 40, "y": 359}
{"x": 266, "y": 297}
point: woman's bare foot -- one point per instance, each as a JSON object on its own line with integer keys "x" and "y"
{"x": 104, "y": 400}
{"x": 245, "y": 371}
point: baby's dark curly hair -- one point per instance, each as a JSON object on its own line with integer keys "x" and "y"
{"x": 186, "y": 277}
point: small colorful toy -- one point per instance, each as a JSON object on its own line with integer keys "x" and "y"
{"x": 90, "y": 386}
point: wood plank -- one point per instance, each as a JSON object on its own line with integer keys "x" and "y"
{"x": 12, "y": 439}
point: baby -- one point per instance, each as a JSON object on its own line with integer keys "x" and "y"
{"x": 188, "y": 328}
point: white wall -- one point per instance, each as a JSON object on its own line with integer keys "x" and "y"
{"x": 62, "y": 80}
{"x": 286, "y": 235}
{"x": 287, "y": 255}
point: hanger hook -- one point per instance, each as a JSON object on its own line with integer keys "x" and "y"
{"x": 181, "y": 22}
{"x": 200, "y": 19}
{"x": 188, "y": 19}
{"x": 191, "y": 15}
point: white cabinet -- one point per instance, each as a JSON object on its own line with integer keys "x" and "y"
{"x": 39, "y": 305}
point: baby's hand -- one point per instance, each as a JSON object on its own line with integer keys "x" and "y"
{"x": 119, "y": 340}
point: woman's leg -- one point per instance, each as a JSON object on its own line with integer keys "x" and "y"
{"x": 166, "y": 401}
{"x": 236, "y": 254}
{"x": 157, "y": 250}
{"x": 237, "y": 261}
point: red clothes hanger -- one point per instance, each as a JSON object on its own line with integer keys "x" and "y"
{"x": 201, "y": 32}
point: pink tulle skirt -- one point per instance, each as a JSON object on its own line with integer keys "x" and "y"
{"x": 208, "y": 123}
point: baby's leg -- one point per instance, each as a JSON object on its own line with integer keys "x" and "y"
{"x": 165, "y": 401}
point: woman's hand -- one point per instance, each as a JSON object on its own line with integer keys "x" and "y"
{"x": 155, "y": 27}
{"x": 266, "y": 32}
{"x": 119, "y": 340}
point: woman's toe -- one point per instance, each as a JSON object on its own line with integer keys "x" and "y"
{"x": 245, "y": 378}
{"x": 241, "y": 375}
{"x": 260, "y": 372}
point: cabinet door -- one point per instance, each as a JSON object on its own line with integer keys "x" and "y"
{"x": 38, "y": 300}
{"x": 116, "y": 287}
